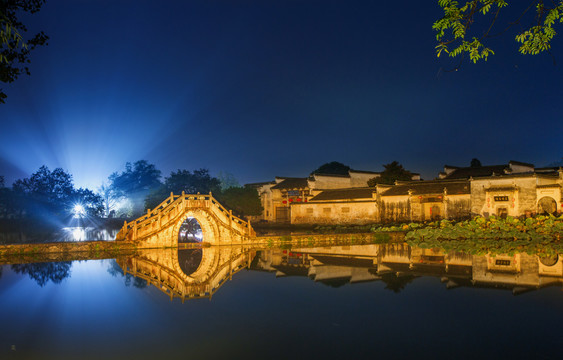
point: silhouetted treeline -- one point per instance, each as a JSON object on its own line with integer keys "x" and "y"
{"x": 141, "y": 185}
{"x": 50, "y": 196}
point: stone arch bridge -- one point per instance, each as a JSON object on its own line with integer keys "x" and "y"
{"x": 160, "y": 226}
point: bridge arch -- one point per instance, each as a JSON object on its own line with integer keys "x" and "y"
{"x": 208, "y": 224}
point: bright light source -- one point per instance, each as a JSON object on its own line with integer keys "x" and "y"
{"x": 78, "y": 211}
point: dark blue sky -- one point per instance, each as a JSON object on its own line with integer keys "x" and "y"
{"x": 266, "y": 88}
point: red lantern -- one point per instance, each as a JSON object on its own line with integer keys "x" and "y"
{"x": 284, "y": 202}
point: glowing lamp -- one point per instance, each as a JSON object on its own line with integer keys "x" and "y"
{"x": 78, "y": 211}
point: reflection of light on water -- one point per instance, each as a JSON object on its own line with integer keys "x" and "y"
{"x": 81, "y": 233}
{"x": 75, "y": 233}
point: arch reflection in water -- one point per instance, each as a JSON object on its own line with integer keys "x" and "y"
{"x": 188, "y": 273}
{"x": 190, "y": 260}
{"x": 190, "y": 231}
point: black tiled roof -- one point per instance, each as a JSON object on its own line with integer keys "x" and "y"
{"x": 292, "y": 183}
{"x": 467, "y": 172}
{"x": 365, "y": 172}
{"x": 429, "y": 187}
{"x": 345, "y": 194}
{"x": 520, "y": 163}
{"x": 258, "y": 184}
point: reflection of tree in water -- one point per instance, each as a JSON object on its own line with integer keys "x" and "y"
{"x": 396, "y": 283}
{"x": 114, "y": 269}
{"x": 189, "y": 260}
{"x": 43, "y": 272}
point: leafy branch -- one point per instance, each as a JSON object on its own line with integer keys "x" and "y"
{"x": 454, "y": 30}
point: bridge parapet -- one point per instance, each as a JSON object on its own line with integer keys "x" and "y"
{"x": 219, "y": 225}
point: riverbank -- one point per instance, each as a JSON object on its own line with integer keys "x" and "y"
{"x": 88, "y": 250}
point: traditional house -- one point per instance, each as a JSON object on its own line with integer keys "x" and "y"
{"x": 424, "y": 200}
{"x": 278, "y": 196}
{"x": 515, "y": 189}
{"x": 338, "y": 206}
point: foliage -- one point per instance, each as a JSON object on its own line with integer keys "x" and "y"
{"x": 92, "y": 202}
{"x": 198, "y": 181}
{"x": 51, "y": 193}
{"x": 139, "y": 177}
{"x": 110, "y": 198}
{"x": 538, "y": 235}
{"x": 333, "y": 168}
{"x": 42, "y": 273}
{"x": 44, "y": 192}
{"x": 393, "y": 172}
{"x": 135, "y": 183}
{"x": 453, "y": 29}
{"x": 475, "y": 163}
{"x": 227, "y": 180}
{"x": 244, "y": 201}
{"x": 14, "y": 49}
{"x": 5, "y": 199}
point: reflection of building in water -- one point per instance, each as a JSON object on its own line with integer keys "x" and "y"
{"x": 399, "y": 264}
{"x": 197, "y": 273}
{"x": 187, "y": 273}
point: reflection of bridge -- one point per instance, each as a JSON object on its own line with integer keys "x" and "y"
{"x": 164, "y": 269}
{"x": 161, "y": 225}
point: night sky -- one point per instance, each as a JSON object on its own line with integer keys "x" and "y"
{"x": 270, "y": 88}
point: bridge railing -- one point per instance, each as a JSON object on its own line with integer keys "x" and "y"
{"x": 172, "y": 203}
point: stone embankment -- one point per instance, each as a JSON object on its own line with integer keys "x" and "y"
{"x": 92, "y": 250}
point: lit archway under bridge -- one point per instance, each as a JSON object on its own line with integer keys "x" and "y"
{"x": 162, "y": 226}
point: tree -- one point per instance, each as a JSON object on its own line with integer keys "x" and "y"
{"x": 92, "y": 203}
{"x": 475, "y": 163}
{"x": 42, "y": 273}
{"x": 333, "y": 168}
{"x": 393, "y": 172}
{"x": 45, "y": 192}
{"x": 5, "y": 199}
{"x": 198, "y": 181}
{"x": 459, "y": 33}
{"x": 49, "y": 193}
{"x": 109, "y": 199}
{"x": 227, "y": 180}
{"x": 14, "y": 49}
{"x": 135, "y": 183}
{"x": 244, "y": 201}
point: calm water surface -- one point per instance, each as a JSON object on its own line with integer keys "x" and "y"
{"x": 363, "y": 301}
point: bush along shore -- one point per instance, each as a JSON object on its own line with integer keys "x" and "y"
{"x": 540, "y": 235}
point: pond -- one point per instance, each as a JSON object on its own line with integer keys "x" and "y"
{"x": 349, "y": 301}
